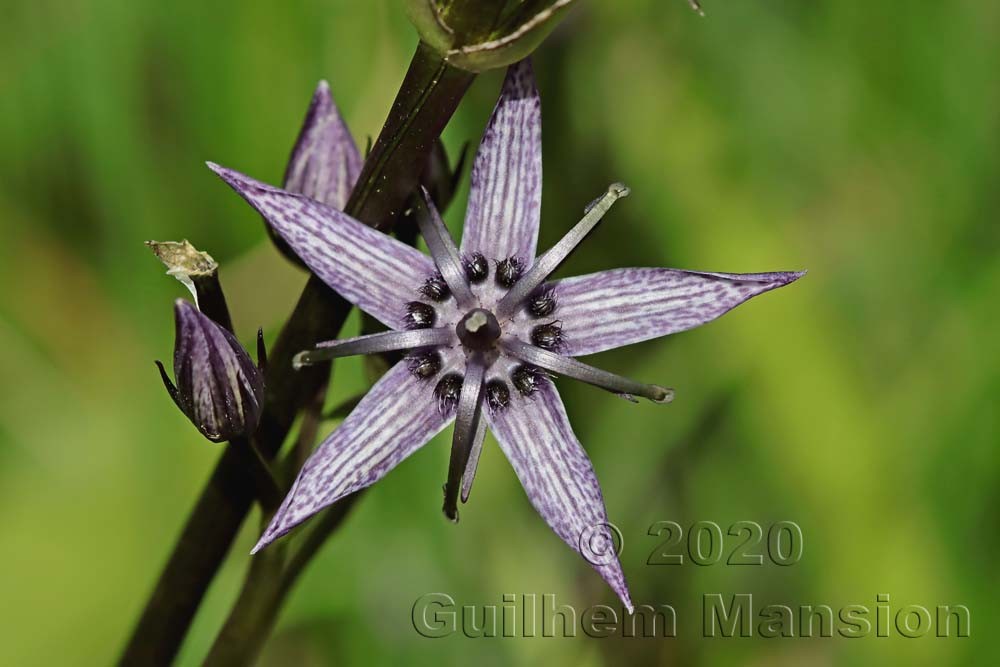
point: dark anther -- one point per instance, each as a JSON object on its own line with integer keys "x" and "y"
{"x": 424, "y": 364}
{"x": 527, "y": 379}
{"x": 447, "y": 391}
{"x": 508, "y": 271}
{"x": 542, "y": 304}
{"x": 435, "y": 288}
{"x": 497, "y": 395}
{"x": 419, "y": 315}
{"x": 477, "y": 269}
{"x": 547, "y": 336}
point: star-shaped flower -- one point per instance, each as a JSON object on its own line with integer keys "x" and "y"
{"x": 484, "y": 329}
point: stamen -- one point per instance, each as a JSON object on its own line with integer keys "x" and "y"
{"x": 551, "y": 260}
{"x": 542, "y": 304}
{"x": 527, "y": 379}
{"x": 387, "y": 341}
{"x": 442, "y": 248}
{"x": 497, "y": 395}
{"x": 447, "y": 391}
{"x": 547, "y": 336}
{"x": 509, "y": 271}
{"x": 424, "y": 364}
{"x": 569, "y": 367}
{"x": 470, "y": 408}
{"x": 477, "y": 269}
{"x": 470, "y": 468}
{"x": 419, "y": 315}
{"x": 435, "y": 288}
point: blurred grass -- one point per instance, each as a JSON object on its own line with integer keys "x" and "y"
{"x": 857, "y": 142}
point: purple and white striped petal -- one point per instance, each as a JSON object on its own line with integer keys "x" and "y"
{"x": 505, "y": 197}
{"x": 394, "y": 419}
{"x": 370, "y": 269}
{"x": 610, "y": 309}
{"x": 556, "y": 473}
{"x": 325, "y": 162}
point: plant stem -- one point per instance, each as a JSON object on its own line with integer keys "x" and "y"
{"x": 428, "y": 97}
{"x": 265, "y": 588}
{"x": 269, "y": 491}
{"x": 324, "y": 525}
{"x": 245, "y": 632}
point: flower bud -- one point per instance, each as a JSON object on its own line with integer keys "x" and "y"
{"x": 218, "y": 386}
{"x": 325, "y": 162}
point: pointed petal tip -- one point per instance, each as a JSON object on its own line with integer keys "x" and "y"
{"x": 270, "y": 535}
{"x": 621, "y": 590}
{"x": 226, "y": 174}
{"x": 782, "y": 278}
{"x": 245, "y": 186}
{"x": 183, "y": 307}
{"x": 322, "y": 102}
{"x": 232, "y": 178}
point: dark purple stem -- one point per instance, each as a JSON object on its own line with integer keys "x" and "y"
{"x": 428, "y": 97}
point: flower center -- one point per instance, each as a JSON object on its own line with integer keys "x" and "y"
{"x": 478, "y": 330}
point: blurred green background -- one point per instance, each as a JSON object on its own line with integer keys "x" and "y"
{"x": 857, "y": 140}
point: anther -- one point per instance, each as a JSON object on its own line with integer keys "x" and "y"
{"x": 542, "y": 304}
{"x": 435, "y": 288}
{"x": 527, "y": 379}
{"x": 447, "y": 391}
{"x": 477, "y": 269}
{"x": 419, "y": 315}
{"x": 497, "y": 395}
{"x": 509, "y": 271}
{"x": 547, "y": 336}
{"x": 424, "y": 364}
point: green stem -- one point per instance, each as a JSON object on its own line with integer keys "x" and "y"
{"x": 268, "y": 582}
{"x": 317, "y": 534}
{"x": 269, "y": 492}
{"x": 245, "y": 632}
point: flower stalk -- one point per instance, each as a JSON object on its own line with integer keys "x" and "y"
{"x": 427, "y": 99}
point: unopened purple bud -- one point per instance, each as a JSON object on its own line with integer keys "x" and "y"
{"x": 325, "y": 162}
{"x": 218, "y": 386}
